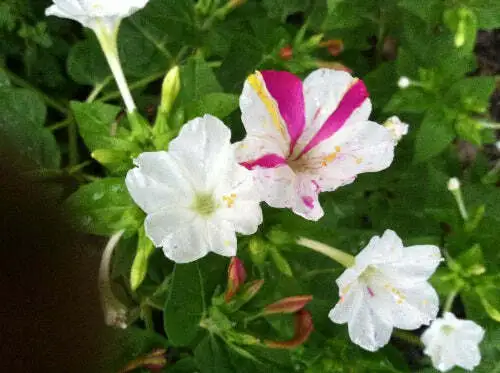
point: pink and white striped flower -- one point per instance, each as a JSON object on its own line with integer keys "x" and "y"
{"x": 308, "y": 137}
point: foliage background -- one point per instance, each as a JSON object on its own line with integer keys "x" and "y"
{"x": 60, "y": 108}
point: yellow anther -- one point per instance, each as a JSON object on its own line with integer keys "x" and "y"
{"x": 229, "y": 199}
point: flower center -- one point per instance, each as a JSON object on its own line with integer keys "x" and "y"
{"x": 204, "y": 204}
{"x": 297, "y": 165}
{"x": 447, "y": 329}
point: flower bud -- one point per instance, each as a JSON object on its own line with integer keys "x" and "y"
{"x": 286, "y": 53}
{"x": 170, "y": 89}
{"x": 288, "y": 305}
{"x": 397, "y": 128}
{"x": 404, "y": 82}
{"x": 335, "y": 46}
{"x": 303, "y": 329}
{"x": 236, "y": 276}
{"x": 453, "y": 184}
{"x": 155, "y": 362}
{"x": 258, "y": 250}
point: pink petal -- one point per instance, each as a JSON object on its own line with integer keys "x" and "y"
{"x": 266, "y": 161}
{"x": 352, "y": 100}
{"x": 286, "y": 90}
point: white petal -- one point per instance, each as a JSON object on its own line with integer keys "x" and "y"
{"x": 253, "y": 147}
{"x": 306, "y": 203}
{"x": 417, "y": 264}
{"x": 381, "y": 250}
{"x": 323, "y": 91}
{"x": 203, "y": 148}
{"x": 467, "y": 354}
{"x": 414, "y": 307}
{"x": 367, "y": 330}
{"x": 363, "y": 147}
{"x": 182, "y": 236}
{"x": 222, "y": 238}
{"x": 260, "y": 120}
{"x": 158, "y": 182}
{"x": 276, "y": 186}
{"x": 347, "y": 305}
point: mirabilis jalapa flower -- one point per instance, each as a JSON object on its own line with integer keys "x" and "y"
{"x": 308, "y": 137}
{"x": 103, "y": 17}
{"x": 196, "y": 195}
{"x": 387, "y": 288}
{"x": 450, "y": 341}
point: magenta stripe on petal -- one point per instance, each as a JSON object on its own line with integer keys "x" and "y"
{"x": 286, "y": 90}
{"x": 308, "y": 201}
{"x": 266, "y": 161}
{"x": 351, "y": 101}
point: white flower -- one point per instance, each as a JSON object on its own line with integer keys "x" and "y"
{"x": 453, "y": 184}
{"x": 387, "y": 287}
{"x": 308, "y": 137}
{"x": 103, "y": 17}
{"x": 196, "y": 195}
{"x": 450, "y": 341}
{"x": 397, "y": 128}
{"x": 404, "y": 82}
{"x": 96, "y": 14}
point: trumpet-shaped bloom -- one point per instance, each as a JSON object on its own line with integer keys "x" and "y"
{"x": 307, "y": 137}
{"x": 196, "y": 195}
{"x": 95, "y": 14}
{"x": 387, "y": 287}
{"x": 450, "y": 341}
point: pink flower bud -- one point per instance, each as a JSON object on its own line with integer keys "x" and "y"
{"x": 288, "y": 305}
{"x": 303, "y": 329}
{"x": 154, "y": 361}
{"x": 236, "y": 276}
{"x": 334, "y": 46}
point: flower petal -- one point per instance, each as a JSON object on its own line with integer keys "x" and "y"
{"x": 203, "y": 148}
{"x": 286, "y": 89}
{"x": 367, "y": 330}
{"x": 417, "y": 264}
{"x": 158, "y": 182}
{"x": 181, "y": 235}
{"x": 347, "y": 305}
{"x": 306, "y": 203}
{"x": 260, "y": 114}
{"x": 380, "y": 250}
{"x": 324, "y": 90}
{"x": 221, "y": 238}
{"x": 365, "y": 147}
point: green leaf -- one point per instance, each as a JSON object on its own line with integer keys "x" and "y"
{"x": 410, "y": 100}
{"x": 283, "y": 8}
{"x": 429, "y": 11}
{"x": 472, "y": 261}
{"x": 186, "y": 365}
{"x": 469, "y": 129}
{"x": 471, "y": 94}
{"x": 139, "y": 269}
{"x": 185, "y": 304}
{"x": 487, "y": 13}
{"x": 105, "y": 207}
{"x": 434, "y": 135}
{"x": 489, "y": 294}
{"x": 22, "y": 116}
{"x": 219, "y": 105}
{"x": 98, "y": 126}
{"x": 280, "y": 261}
{"x": 463, "y": 23}
{"x": 212, "y": 357}
{"x": 197, "y": 80}
{"x": 86, "y": 63}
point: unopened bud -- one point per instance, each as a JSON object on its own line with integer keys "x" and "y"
{"x": 397, "y": 128}
{"x": 335, "y": 46}
{"x": 303, "y": 329}
{"x": 453, "y": 184}
{"x": 170, "y": 89}
{"x": 404, "y": 82}
{"x": 286, "y": 53}
{"x": 258, "y": 250}
{"x": 236, "y": 276}
{"x": 333, "y": 66}
{"x": 288, "y": 305}
{"x": 155, "y": 362}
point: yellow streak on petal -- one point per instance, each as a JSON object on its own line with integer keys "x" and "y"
{"x": 256, "y": 82}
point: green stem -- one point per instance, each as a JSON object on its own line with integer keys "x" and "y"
{"x": 98, "y": 88}
{"x": 61, "y": 124}
{"x": 17, "y": 80}
{"x": 339, "y": 256}
{"x": 72, "y": 143}
{"x": 451, "y": 298}
{"x": 136, "y": 85}
{"x": 407, "y": 337}
{"x": 460, "y": 202}
{"x": 147, "y": 316}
